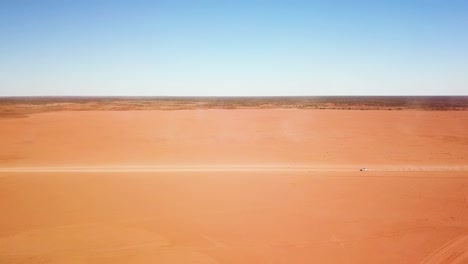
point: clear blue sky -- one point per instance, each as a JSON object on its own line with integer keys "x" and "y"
{"x": 238, "y": 47}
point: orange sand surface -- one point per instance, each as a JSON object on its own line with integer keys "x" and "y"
{"x": 252, "y": 137}
{"x": 234, "y": 186}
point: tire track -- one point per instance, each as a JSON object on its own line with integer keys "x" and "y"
{"x": 453, "y": 252}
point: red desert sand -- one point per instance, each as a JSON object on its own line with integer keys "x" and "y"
{"x": 235, "y": 186}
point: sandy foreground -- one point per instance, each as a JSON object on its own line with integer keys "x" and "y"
{"x": 234, "y": 186}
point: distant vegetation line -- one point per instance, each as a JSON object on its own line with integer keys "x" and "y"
{"x": 23, "y": 106}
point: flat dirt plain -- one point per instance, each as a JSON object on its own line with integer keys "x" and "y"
{"x": 232, "y": 180}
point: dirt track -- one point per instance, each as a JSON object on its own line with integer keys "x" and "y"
{"x": 227, "y": 169}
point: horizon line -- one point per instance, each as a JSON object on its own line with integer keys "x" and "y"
{"x": 217, "y": 96}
